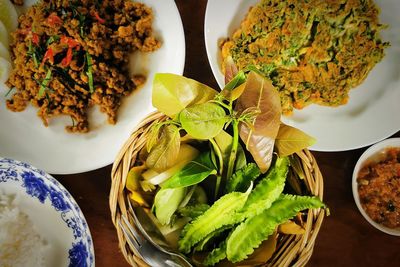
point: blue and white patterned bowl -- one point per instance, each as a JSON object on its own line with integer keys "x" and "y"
{"x": 53, "y": 211}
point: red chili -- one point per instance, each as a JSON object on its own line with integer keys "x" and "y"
{"x": 67, "y": 60}
{"x": 49, "y": 55}
{"x": 100, "y": 20}
{"x": 53, "y": 19}
{"x": 69, "y": 41}
{"x": 35, "y": 38}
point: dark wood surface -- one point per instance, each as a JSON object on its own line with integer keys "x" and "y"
{"x": 345, "y": 239}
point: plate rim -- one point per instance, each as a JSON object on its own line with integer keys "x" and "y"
{"x": 108, "y": 154}
{"x": 320, "y": 147}
{"x": 75, "y": 208}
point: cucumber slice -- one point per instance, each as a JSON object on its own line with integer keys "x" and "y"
{"x": 5, "y": 69}
{"x": 3, "y": 35}
{"x": 8, "y": 15}
{"x": 4, "y": 52}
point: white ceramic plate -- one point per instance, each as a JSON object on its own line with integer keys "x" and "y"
{"x": 23, "y": 136}
{"x": 372, "y": 113}
{"x": 53, "y": 212}
{"x": 370, "y": 152}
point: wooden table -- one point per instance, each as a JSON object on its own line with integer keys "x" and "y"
{"x": 345, "y": 239}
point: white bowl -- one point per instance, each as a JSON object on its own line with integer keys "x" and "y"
{"x": 370, "y": 152}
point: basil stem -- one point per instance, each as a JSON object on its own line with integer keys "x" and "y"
{"x": 89, "y": 72}
{"x": 44, "y": 83}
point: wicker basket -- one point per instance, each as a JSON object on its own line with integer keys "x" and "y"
{"x": 292, "y": 250}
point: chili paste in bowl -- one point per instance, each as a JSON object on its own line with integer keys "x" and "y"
{"x": 376, "y": 185}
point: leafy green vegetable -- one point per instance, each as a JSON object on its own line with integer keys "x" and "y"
{"x": 172, "y": 93}
{"x": 242, "y": 178}
{"x": 166, "y": 202}
{"x": 234, "y": 81}
{"x": 249, "y": 234}
{"x": 268, "y": 190}
{"x": 193, "y": 211}
{"x": 259, "y": 134}
{"x": 89, "y": 72}
{"x": 291, "y": 140}
{"x": 193, "y": 173}
{"x": 199, "y": 196}
{"x": 44, "y": 83}
{"x": 209, "y": 239}
{"x": 221, "y": 213}
{"x": 224, "y": 142}
{"x": 238, "y": 80}
{"x": 164, "y": 155}
{"x": 217, "y": 255}
{"x": 203, "y": 121}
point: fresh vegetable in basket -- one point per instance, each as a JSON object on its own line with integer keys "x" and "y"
{"x": 221, "y": 167}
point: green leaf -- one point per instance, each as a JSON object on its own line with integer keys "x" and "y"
{"x": 221, "y": 213}
{"x": 164, "y": 155}
{"x": 239, "y": 79}
{"x": 224, "y": 143}
{"x": 268, "y": 189}
{"x": 216, "y": 255}
{"x": 193, "y": 211}
{"x": 193, "y": 173}
{"x": 259, "y": 134}
{"x": 166, "y": 202}
{"x": 252, "y": 232}
{"x": 242, "y": 178}
{"x": 203, "y": 121}
{"x": 153, "y": 136}
{"x": 199, "y": 196}
{"x": 291, "y": 140}
{"x": 210, "y": 239}
{"x": 172, "y": 93}
{"x": 234, "y": 81}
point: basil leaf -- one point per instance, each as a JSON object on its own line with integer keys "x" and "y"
{"x": 203, "y": 121}
{"x": 172, "y": 93}
{"x": 193, "y": 173}
{"x": 164, "y": 155}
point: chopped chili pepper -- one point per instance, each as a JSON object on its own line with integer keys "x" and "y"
{"x": 54, "y": 20}
{"x": 35, "y": 38}
{"x": 100, "y": 20}
{"x": 49, "y": 55}
{"x": 67, "y": 60}
{"x": 72, "y": 43}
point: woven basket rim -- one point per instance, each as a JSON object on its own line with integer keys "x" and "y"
{"x": 293, "y": 250}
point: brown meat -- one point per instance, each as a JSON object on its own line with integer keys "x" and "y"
{"x": 75, "y": 33}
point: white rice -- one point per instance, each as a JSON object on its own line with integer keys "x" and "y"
{"x": 20, "y": 243}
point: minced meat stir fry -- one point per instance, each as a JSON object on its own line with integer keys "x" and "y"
{"x": 71, "y": 55}
{"x": 314, "y": 51}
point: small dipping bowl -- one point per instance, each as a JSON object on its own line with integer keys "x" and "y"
{"x": 371, "y": 154}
